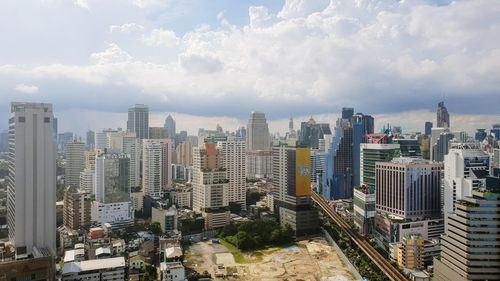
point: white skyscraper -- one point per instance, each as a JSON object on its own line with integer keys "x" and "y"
{"x": 31, "y": 184}
{"x": 258, "y": 137}
{"x": 133, "y": 147}
{"x": 465, "y": 167}
{"x": 233, "y": 160}
{"x": 75, "y": 163}
{"x": 156, "y": 166}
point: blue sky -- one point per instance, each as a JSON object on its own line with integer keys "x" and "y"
{"x": 216, "y": 61}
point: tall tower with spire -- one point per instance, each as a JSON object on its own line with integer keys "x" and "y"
{"x": 443, "y": 117}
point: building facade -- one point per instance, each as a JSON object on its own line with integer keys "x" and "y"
{"x": 76, "y": 210}
{"x": 75, "y": 163}
{"x": 408, "y": 188}
{"x": 31, "y": 183}
{"x": 156, "y": 166}
{"x": 470, "y": 246}
{"x": 138, "y": 121}
{"x": 234, "y": 161}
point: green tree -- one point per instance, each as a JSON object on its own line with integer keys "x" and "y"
{"x": 155, "y": 227}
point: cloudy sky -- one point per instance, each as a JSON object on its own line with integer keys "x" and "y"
{"x": 215, "y": 61}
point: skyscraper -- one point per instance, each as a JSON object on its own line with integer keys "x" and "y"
{"x": 311, "y": 132}
{"x": 428, "y": 128}
{"x": 112, "y": 191}
{"x": 469, "y": 247}
{"x": 292, "y": 180}
{"x": 156, "y": 166}
{"x": 90, "y": 140}
{"x": 408, "y": 188}
{"x": 440, "y": 142}
{"x": 233, "y": 160}
{"x": 347, "y": 113}
{"x": 372, "y": 153}
{"x": 338, "y": 174}
{"x": 465, "y": 168}
{"x": 362, "y": 126}
{"x": 170, "y": 127}
{"x": 31, "y": 184}
{"x": 157, "y": 133}
{"x": 138, "y": 121}
{"x": 210, "y": 185}
{"x": 184, "y": 153}
{"x": 112, "y": 180}
{"x": 258, "y": 137}
{"x": 75, "y": 163}
{"x": 443, "y": 118}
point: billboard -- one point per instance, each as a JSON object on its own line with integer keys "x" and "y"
{"x": 303, "y": 171}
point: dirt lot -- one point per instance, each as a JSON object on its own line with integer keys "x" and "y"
{"x": 306, "y": 261}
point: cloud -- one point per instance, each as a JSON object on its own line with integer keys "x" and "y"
{"x": 82, "y": 4}
{"x": 200, "y": 63}
{"x": 147, "y": 4}
{"x": 161, "y": 37}
{"x": 126, "y": 28}
{"x": 27, "y": 89}
{"x": 310, "y": 57}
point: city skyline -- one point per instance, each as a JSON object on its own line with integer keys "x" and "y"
{"x": 381, "y": 57}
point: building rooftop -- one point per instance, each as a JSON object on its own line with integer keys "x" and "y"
{"x": 71, "y": 255}
{"x": 76, "y": 267}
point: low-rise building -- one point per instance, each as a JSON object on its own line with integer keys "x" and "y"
{"x": 414, "y": 252}
{"x": 172, "y": 271}
{"x": 98, "y": 270}
{"x": 37, "y": 267}
{"x": 166, "y": 217}
{"x": 118, "y": 214}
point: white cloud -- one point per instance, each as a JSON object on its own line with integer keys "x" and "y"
{"x": 27, "y": 89}
{"x": 161, "y": 37}
{"x": 146, "y": 4}
{"x": 378, "y": 56}
{"x": 82, "y": 4}
{"x": 126, "y": 28}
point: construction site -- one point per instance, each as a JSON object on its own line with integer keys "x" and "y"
{"x": 305, "y": 261}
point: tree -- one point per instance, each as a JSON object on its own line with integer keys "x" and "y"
{"x": 155, "y": 227}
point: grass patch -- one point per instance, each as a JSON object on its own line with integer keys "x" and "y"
{"x": 242, "y": 257}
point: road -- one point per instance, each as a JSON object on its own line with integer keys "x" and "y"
{"x": 391, "y": 272}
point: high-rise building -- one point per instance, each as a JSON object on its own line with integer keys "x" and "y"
{"x": 443, "y": 118}
{"x": 408, "y": 188}
{"x": 210, "y": 185}
{"x": 440, "y": 142}
{"x": 338, "y": 174}
{"x": 259, "y": 164}
{"x": 90, "y": 140}
{"x": 372, "y": 153}
{"x": 409, "y": 147}
{"x": 465, "y": 168}
{"x": 233, "y": 160}
{"x": 55, "y": 128}
{"x": 63, "y": 139}
{"x": 290, "y": 124}
{"x": 158, "y": 133}
{"x": 414, "y": 252}
{"x": 311, "y": 132}
{"x": 362, "y": 126}
{"x": 75, "y": 163}
{"x": 112, "y": 178}
{"x": 4, "y": 141}
{"x": 292, "y": 181}
{"x": 258, "y": 137}
{"x": 112, "y": 191}
{"x": 138, "y": 121}
{"x": 470, "y": 247}
{"x": 132, "y": 146}
{"x": 495, "y": 131}
{"x": 347, "y": 113}
{"x": 76, "y": 210}
{"x": 185, "y": 153}
{"x": 156, "y": 166}
{"x": 87, "y": 180}
{"x": 170, "y": 127}
{"x": 364, "y": 208}
{"x": 428, "y": 128}
{"x": 31, "y": 183}
{"x": 480, "y": 135}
